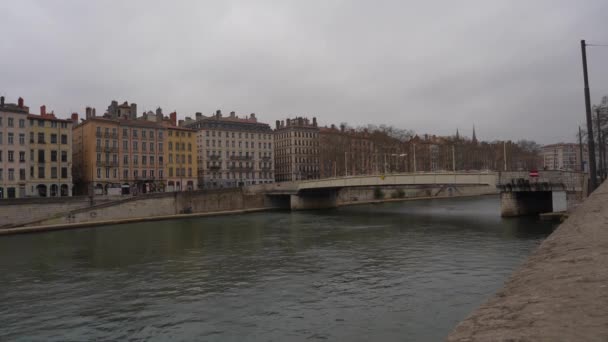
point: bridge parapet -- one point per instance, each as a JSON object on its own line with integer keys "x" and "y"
{"x": 567, "y": 180}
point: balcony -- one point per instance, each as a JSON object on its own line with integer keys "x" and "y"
{"x": 241, "y": 158}
{"x": 240, "y": 168}
{"x": 215, "y": 157}
{"x": 102, "y": 163}
{"x": 214, "y": 167}
{"x": 266, "y": 159}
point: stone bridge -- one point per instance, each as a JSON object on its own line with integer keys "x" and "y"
{"x": 331, "y": 192}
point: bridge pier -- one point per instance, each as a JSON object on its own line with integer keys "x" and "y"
{"x": 522, "y": 203}
{"x": 314, "y": 200}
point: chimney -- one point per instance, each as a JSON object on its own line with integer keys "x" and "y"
{"x": 133, "y": 114}
{"x": 342, "y": 127}
{"x": 252, "y": 117}
{"x": 314, "y": 122}
{"x": 74, "y": 118}
{"x": 173, "y": 117}
{"x": 43, "y": 110}
{"x": 20, "y": 103}
{"x": 1, "y": 101}
{"x": 199, "y": 116}
{"x": 218, "y": 113}
{"x": 333, "y": 126}
{"x": 278, "y": 123}
{"x": 94, "y": 112}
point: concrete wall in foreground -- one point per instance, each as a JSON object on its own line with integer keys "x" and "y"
{"x": 560, "y": 293}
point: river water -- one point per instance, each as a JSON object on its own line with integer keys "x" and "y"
{"x": 407, "y": 271}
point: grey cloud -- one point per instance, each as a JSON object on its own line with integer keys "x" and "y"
{"x": 512, "y": 68}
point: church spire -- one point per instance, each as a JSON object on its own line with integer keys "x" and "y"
{"x": 474, "y": 136}
{"x": 457, "y": 135}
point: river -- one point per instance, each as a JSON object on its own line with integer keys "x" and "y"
{"x": 401, "y": 271}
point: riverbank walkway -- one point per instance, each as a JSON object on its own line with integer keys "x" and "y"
{"x": 560, "y": 293}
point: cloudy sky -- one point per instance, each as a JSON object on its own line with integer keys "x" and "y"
{"x": 511, "y": 68}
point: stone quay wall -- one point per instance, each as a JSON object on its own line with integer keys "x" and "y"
{"x": 560, "y": 293}
{"x": 147, "y": 206}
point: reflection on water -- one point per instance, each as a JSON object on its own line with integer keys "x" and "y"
{"x": 389, "y": 272}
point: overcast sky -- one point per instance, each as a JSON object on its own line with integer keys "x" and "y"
{"x": 511, "y": 68}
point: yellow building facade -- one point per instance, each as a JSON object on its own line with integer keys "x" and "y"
{"x": 50, "y": 155}
{"x": 180, "y": 157}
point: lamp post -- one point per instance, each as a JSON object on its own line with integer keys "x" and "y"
{"x": 590, "y": 144}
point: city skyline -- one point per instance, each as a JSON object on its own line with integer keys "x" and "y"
{"x": 433, "y": 70}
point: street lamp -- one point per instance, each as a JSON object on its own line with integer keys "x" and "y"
{"x": 591, "y": 146}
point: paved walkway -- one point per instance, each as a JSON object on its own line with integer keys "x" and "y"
{"x": 560, "y": 293}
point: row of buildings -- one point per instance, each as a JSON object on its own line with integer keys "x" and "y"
{"x": 121, "y": 152}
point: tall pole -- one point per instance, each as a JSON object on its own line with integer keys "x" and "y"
{"x": 591, "y": 146}
{"x": 599, "y": 145}
{"x": 414, "y": 158}
{"x": 453, "y": 159}
{"x": 580, "y": 147}
{"x": 504, "y": 154}
{"x": 384, "y": 163}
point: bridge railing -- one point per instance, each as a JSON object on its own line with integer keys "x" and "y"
{"x": 571, "y": 180}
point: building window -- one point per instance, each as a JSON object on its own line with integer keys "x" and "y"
{"x": 151, "y": 147}
{"x": 22, "y": 174}
{"x": 21, "y": 139}
{"x": 125, "y": 159}
{"x": 151, "y": 173}
{"x": 160, "y": 135}
{"x": 160, "y": 174}
{"x": 53, "y": 156}
{"x": 1, "y": 174}
{"x": 134, "y": 134}
{"x": 144, "y": 172}
{"x": 143, "y": 160}
{"x": 107, "y": 172}
{"x": 98, "y": 173}
{"x": 53, "y": 138}
{"x": 64, "y": 139}
{"x": 160, "y": 146}
{"x": 0, "y": 138}
{"x": 135, "y": 146}
{"x": 11, "y": 138}
{"x": 41, "y": 172}
{"x": 170, "y": 146}
{"x": 10, "y": 122}
{"x": 11, "y": 156}
{"x": 53, "y": 172}
{"x": 11, "y": 174}
{"x": 135, "y": 174}
{"x": 64, "y": 172}
{"x": 125, "y": 174}
{"x": 160, "y": 160}
{"x": 125, "y": 134}
{"x": 170, "y": 172}
{"x": 41, "y": 138}
{"x": 64, "y": 156}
